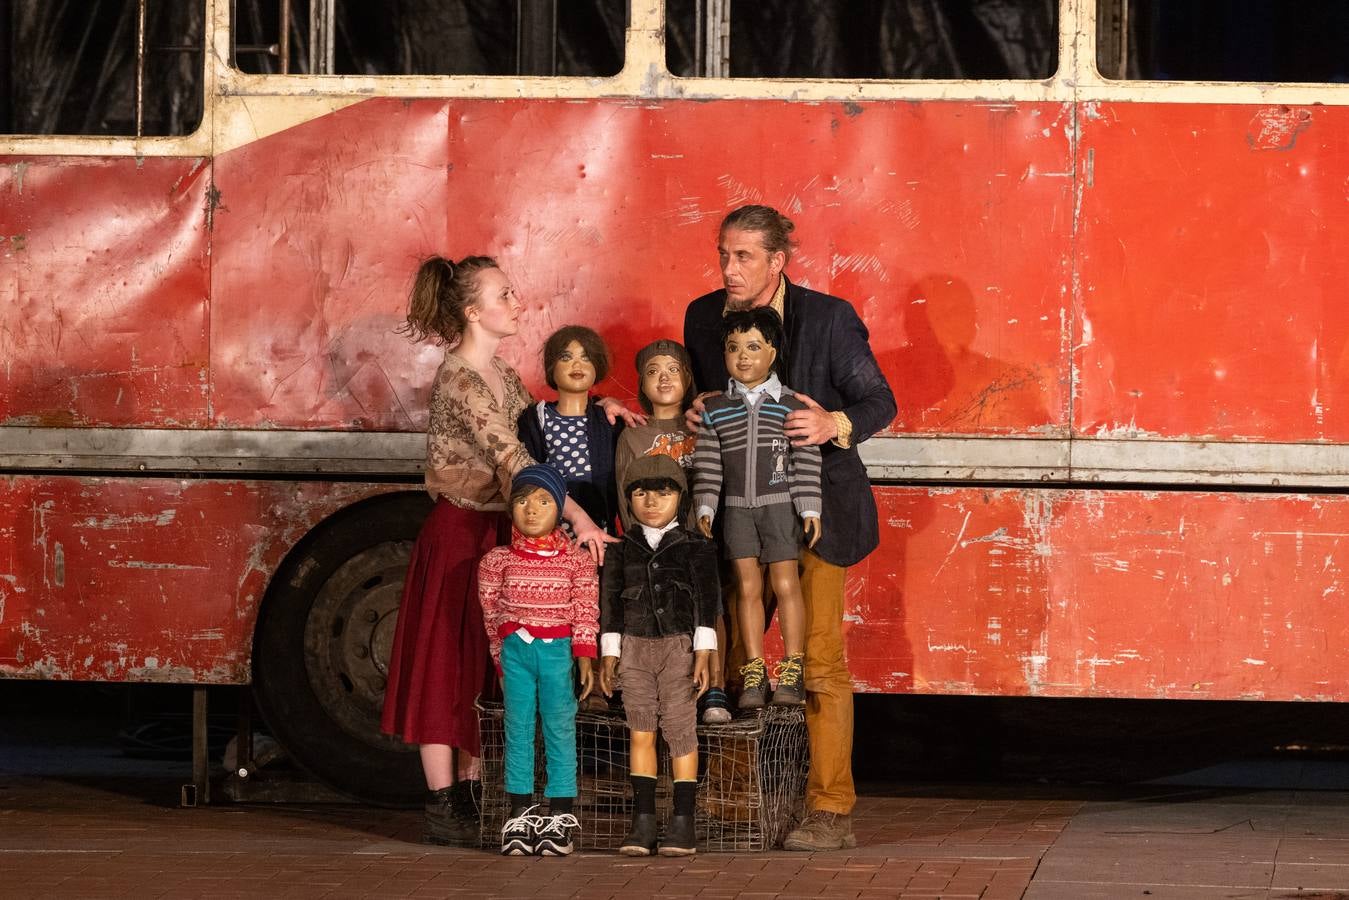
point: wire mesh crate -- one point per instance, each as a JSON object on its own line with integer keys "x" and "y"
{"x": 752, "y": 776}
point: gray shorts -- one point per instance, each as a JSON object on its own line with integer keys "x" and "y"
{"x": 656, "y": 677}
{"x": 766, "y": 533}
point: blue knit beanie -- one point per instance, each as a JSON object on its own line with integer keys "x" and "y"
{"x": 546, "y": 477}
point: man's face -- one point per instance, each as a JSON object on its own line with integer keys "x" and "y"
{"x": 749, "y": 358}
{"x": 749, "y": 272}
{"x": 654, "y": 509}
{"x": 535, "y": 514}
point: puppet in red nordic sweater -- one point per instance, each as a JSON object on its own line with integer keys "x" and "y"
{"x": 540, "y": 604}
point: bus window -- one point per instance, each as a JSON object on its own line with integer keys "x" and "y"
{"x": 430, "y": 37}
{"x": 1238, "y": 40}
{"x": 119, "y": 67}
{"x": 850, "y": 39}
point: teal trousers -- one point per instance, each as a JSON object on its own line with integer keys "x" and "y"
{"x": 536, "y": 679}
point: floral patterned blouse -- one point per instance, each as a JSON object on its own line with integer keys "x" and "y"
{"x": 472, "y": 450}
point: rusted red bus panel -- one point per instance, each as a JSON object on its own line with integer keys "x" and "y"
{"x": 1173, "y": 271}
{"x": 315, "y": 241}
{"x": 1104, "y": 594}
{"x": 103, "y": 292}
{"x": 948, "y": 224}
{"x": 1213, "y": 272}
{"x": 121, "y": 579}
{"x": 1010, "y": 591}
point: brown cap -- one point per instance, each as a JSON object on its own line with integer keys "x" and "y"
{"x": 658, "y": 466}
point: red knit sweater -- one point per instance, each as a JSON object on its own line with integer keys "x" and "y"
{"x": 552, "y": 596}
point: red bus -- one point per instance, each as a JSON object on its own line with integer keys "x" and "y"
{"x": 1112, "y": 307}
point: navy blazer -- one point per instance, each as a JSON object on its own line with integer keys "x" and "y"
{"x": 827, "y": 355}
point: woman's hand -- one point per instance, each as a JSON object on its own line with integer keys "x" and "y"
{"x": 608, "y": 675}
{"x": 588, "y": 534}
{"x": 693, "y": 416}
{"x": 586, "y": 671}
{"x": 615, "y": 409}
{"x": 705, "y": 526}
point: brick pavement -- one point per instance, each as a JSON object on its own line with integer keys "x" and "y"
{"x": 82, "y": 837}
{"x": 78, "y": 836}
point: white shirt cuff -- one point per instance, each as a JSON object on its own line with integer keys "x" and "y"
{"x": 706, "y": 512}
{"x": 611, "y": 644}
{"x": 704, "y": 638}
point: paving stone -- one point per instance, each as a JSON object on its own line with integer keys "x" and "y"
{"x": 59, "y": 840}
{"x": 1312, "y": 876}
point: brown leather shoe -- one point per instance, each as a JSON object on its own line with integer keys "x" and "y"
{"x": 820, "y": 831}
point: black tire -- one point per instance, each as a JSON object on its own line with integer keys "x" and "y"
{"x": 321, "y": 649}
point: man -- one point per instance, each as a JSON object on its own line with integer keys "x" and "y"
{"x": 826, "y": 356}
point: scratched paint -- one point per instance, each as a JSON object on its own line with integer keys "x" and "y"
{"x": 1104, "y": 594}
{"x": 95, "y": 589}
{"x": 1103, "y": 269}
{"x": 950, "y": 270}
{"x": 103, "y": 308}
{"x": 1017, "y": 592}
{"x": 1213, "y": 270}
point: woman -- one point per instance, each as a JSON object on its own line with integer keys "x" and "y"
{"x": 439, "y": 661}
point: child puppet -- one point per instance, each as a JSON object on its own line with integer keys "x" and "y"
{"x": 745, "y": 457}
{"x": 539, "y": 604}
{"x": 572, "y": 434}
{"x": 660, "y": 596}
{"x": 665, "y": 390}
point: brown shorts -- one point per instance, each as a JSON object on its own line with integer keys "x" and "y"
{"x": 656, "y": 677}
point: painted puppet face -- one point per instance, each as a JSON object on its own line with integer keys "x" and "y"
{"x": 749, "y": 358}
{"x": 573, "y": 370}
{"x": 664, "y": 382}
{"x": 534, "y": 514}
{"x": 654, "y": 509}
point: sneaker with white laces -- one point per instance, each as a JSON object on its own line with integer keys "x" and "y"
{"x": 553, "y": 837}
{"x": 519, "y": 836}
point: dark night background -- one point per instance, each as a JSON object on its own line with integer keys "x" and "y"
{"x": 69, "y": 68}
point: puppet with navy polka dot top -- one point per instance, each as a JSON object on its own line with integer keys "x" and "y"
{"x": 572, "y": 434}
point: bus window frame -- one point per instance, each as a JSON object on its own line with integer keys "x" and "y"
{"x": 645, "y": 78}
{"x": 195, "y": 143}
{"x": 1095, "y": 86}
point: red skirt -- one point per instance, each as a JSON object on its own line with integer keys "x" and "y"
{"x": 439, "y": 662}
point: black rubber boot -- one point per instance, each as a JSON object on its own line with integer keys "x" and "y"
{"x": 641, "y": 840}
{"x": 679, "y": 837}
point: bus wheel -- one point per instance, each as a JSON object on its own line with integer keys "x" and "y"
{"x": 321, "y": 651}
